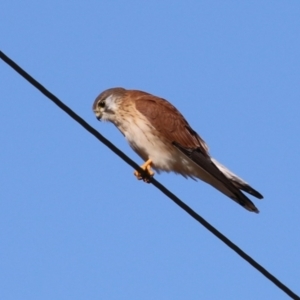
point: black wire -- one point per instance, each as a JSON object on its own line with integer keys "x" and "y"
{"x": 158, "y": 185}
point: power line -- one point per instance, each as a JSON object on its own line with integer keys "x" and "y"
{"x": 158, "y": 185}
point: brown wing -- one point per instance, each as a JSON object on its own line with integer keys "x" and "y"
{"x": 208, "y": 165}
{"x": 167, "y": 120}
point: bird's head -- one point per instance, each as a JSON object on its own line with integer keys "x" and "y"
{"x": 106, "y": 104}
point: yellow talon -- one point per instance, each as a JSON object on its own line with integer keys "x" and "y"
{"x": 147, "y": 168}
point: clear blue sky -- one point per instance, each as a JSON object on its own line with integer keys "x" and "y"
{"x": 74, "y": 222}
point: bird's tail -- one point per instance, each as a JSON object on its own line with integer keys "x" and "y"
{"x": 237, "y": 181}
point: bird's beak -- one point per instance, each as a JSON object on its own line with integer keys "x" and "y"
{"x": 98, "y": 116}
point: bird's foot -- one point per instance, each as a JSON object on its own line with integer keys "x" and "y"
{"x": 148, "y": 172}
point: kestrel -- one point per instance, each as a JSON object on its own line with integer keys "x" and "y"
{"x": 162, "y": 137}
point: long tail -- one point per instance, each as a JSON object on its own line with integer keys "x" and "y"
{"x": 237, "y": 181}
{"x": 210, "y": 171}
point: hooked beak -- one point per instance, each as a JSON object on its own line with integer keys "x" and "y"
{"x": 98, "y": 116}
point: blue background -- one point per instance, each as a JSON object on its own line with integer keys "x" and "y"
{"x": 74, "y": 222}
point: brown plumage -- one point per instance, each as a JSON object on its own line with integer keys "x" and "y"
{"x": 159, "y": 133}
{"x": 166, "y": 119}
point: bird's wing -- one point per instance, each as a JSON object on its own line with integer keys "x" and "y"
{"x": 169, "y": 122}
{"x": 220, "y": 181}
{"x": 172, "y": 126}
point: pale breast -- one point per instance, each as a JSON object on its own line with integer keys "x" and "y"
{"x": 148, "y": 143}
{"x": 143, "y": 138}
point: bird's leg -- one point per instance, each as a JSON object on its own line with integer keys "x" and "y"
{"x": 147, "y": 168}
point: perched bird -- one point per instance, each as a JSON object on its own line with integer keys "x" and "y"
{"x": 162, "y": 137}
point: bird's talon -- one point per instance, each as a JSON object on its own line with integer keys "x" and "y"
{"x": 149, "y": 173}
{"x": 138, "y": 175}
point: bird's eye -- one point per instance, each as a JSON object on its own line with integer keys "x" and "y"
{"x": 101, "y": 103}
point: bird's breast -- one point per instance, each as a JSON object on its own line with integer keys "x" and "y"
{"x": 146, "y": 141}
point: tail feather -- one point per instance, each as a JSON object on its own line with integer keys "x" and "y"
{"x": 237, "y": 181}
{"x": 212, "y": 172}
{"x": 245, "y": 202}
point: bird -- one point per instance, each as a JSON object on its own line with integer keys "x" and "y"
{"x": 162, "y": 137}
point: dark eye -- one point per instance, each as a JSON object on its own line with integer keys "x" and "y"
{"x": 101, "y": 103}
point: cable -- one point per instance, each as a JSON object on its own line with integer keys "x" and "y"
{"x": 158, "y": 185}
